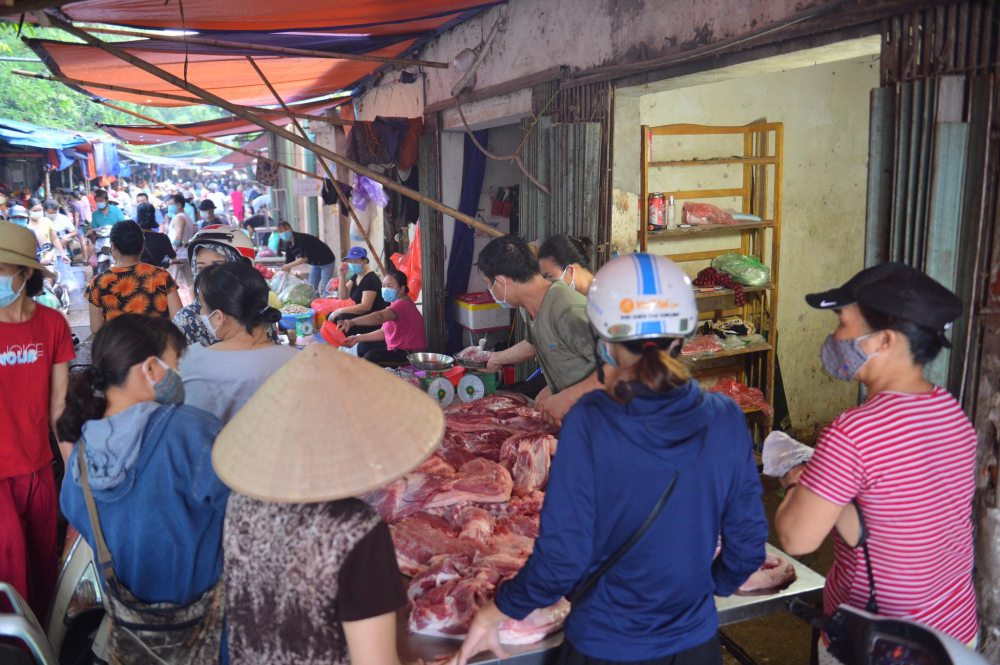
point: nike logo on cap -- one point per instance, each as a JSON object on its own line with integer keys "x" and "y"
{"x": 828, "y": 303}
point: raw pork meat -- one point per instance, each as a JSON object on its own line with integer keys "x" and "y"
{"x": 436, "y": 464}
{"x": 421, "y": 537}
{"x": 702, "y": 214}
{"x": 536, "y": 626}
{"x": 480, "y": 480}
{"x": 526, "y": 456}
{"x": 474, "y": 354}
{"x": 407, "y": 495}
{"x": 516, "y": 535}
{"x": 530, "y": 505}
{"x": 475, "y": 523}
{"x": 489, "y": 404}
{"x": 525, "y": 419}
{"x": 701, "y": 344}
{"x": 776, "y": 573}
{"x": 447, "y": 610}
{"x": 453, "y": 453}
{"x": 484, "y": 443}
{"x": 746, "y": 397}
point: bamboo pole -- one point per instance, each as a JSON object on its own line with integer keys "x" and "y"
{"x": 197, "y": 137}
{"x": 211, "y": 98}
{"x": 329, "y": 173}
{"x": 176, "y": 98}
{"x": 280, "y": 50}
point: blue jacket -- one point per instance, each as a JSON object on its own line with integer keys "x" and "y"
{"x": 613, "y": 464}
{"x": 163, "y": 521}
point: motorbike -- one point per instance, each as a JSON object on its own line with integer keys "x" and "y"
{"x": 102, "y": 247}
{"x": 860, "y": 638}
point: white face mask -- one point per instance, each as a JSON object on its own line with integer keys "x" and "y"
{"x": 572, "y": 281}
{"x": 207, "y": 320}
{"x": 203, "y": 214}
{"x": 35, "y": 214}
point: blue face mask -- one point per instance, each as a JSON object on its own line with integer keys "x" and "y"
{"x": 285, "y": 235}
{"x": 606, "y": 354}
{"x": 503, "y": 303}
{"x": 171, "y": 209}
{"x": 353, "y": 268}
{"x": 170, "y": 389}
{"x": 7, "y": 293}
{"x": 389, "y": 295}
{"x": 20, "y": 221}
{"x": 101, "y": 205}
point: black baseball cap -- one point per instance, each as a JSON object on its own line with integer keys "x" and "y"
{"x": 898, "y": 290}
{"x": 207, "y": 204}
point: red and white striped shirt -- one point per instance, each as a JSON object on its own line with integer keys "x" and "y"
{"x": 910, "y": 462}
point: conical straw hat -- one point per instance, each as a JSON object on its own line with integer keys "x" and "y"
{"x": 326, "y": 426}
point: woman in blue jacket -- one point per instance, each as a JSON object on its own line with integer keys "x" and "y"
{"x": 159, "y": 504}
{"x": 619, "y": 451}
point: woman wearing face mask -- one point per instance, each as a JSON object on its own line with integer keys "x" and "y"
{"x": 209, "y": 247}
{"x": 567, "y": 259}
{"x": 306, "y": 248}
{"x": 131, "y": 287}
{"x": 159, "y": 504}
{"x": 905, "y": 458}
{"x": 222, "y": 377}
{"x": 359, "y": 283}
{"x": 651, "y": 438}
{"x": 402, "y": 326}
{"x": 180, "y": 229}
{"x": 157, "y": 250}
{"x": 48, "y": 241}
{"x": 36, "y": 346}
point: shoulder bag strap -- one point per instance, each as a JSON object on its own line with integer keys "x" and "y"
{"x": 872, "y": 606}
{"x": 104, "y": 560}
{"x": 588, "y": 584}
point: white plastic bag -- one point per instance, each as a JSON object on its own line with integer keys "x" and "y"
{"x": 782, "y": 453}
{"x": 67, "y": 278}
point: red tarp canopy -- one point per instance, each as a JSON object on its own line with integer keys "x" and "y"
{"x": 228, "y": 76}
{"x": 372, "y": 17}
{"x": 238, "y": 158}
{"x": 227, "y": 126}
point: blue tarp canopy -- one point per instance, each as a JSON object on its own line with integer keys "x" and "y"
{"x": 27, "y": 134}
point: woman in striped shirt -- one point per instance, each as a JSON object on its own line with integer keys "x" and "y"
{"x": 905, "y": 459}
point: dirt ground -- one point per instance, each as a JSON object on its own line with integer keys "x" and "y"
{"x": 780, "y": 638}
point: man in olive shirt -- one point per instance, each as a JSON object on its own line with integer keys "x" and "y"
{"x": 559, "y": 333}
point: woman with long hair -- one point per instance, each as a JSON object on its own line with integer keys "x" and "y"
{"x": 158, "y": 505}
{"x": 563, "y": 257}
{"x": 234, "y": 308}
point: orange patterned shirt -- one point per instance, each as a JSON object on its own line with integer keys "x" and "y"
{"x": 138, "y": 289}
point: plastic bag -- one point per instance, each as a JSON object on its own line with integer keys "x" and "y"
{"x": 701, "y": 345}
{"x": 272, "y": 243}
{"x": 366, "y": 190}
{"x": 409, "y": 264}
{"x": 266, "y": 252}
{"x": 703, "y": 214}
{"x": 782, "y": 453}
{"x": 744, "y": 269}
{"x": 67, "y": 278}
{"x": 301, "y": 293}
{"x": 326, "y": 306}
{"x": 277, "y": 282}
{"x": 746, "y": 397}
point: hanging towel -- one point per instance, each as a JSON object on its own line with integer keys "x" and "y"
{"x": 267, "y": 171}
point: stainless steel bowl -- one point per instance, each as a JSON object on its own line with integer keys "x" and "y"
{"x": 431, "y": 361}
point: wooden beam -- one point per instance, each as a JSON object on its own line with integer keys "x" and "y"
{"x": 211, "y": 98}
{"x": 336, "y": 185}
{"x": 529, "y": 81}
{"x": 10, "y": 7}
{"x": 278, "y": 50}
{"x": 176, "y": 98}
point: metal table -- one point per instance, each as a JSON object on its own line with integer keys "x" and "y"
{"x": 734, "y": 609}
{"x": 266, "y": 260}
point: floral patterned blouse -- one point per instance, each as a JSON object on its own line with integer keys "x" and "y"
{"x": 138, "y": 289}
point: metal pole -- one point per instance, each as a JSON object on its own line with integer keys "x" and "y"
{"x": 329, "y": 173}
{"x": 281, "y": 50}
{"x": 211, "y": 98}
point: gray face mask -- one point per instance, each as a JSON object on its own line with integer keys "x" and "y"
{"x": 170, "y": 390}
{"x": 844, "y": 358}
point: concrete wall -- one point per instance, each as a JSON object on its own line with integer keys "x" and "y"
{"x": 825, "y": 114}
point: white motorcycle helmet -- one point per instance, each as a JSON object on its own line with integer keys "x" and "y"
{"x": 222, "y": 234}
{"x": 641, "y": 296}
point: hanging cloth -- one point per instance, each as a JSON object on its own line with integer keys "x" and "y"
{"x": 154, "y": 633}
{"x": 267, "y": 171}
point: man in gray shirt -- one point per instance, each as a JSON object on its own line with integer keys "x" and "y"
{"x": 559, "y": 333}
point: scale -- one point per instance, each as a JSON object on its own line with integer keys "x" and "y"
{"x": 477, "y": 382}
{"x": 434, "y": 365}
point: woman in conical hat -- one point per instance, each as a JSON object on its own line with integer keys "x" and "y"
{"x": 311, "y": 571}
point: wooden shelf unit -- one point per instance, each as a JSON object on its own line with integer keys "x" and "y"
{"x": 761, "y": 165}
